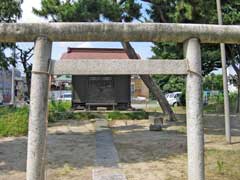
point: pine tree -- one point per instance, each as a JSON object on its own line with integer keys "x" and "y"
{"x": 10, "y": 11}
{"x": 108, "y": 10}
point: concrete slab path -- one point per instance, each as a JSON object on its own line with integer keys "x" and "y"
{"x": 106, "y": 163}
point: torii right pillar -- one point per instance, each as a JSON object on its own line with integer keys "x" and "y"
{"x": 195, "y": 132}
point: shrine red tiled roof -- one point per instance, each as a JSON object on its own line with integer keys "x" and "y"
{"x": 94, "y": 53}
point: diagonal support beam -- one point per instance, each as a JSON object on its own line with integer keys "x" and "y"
{"x": 151, "y": 84}
{"x": 118, "y": 67}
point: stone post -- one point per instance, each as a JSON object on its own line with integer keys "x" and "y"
{"x": 195, "y": 134}
{"x": 38, "y": 110}
{"x": 225, "y": 79}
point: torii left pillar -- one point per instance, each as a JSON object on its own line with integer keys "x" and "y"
{"x": 36, "y": 152}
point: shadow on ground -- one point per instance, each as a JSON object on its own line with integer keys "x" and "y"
{"x": 71, "y": 148}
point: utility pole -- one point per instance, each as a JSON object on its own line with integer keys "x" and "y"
{"x": 225, "y": 79}
{"x": 13, "y": 75}
{"x": 13, "y": 80}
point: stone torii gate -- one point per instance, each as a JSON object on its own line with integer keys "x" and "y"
{"x": 44, "y": 34}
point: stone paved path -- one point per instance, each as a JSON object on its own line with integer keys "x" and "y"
{"x": 106, "y": 163}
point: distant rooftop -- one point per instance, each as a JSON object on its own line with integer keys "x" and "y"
{"x": 95, "y": 53}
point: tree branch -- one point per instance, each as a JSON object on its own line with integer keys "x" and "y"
{"x": 236, "y": 69}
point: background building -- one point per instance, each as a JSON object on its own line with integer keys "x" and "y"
{"x": 6, "y": 85}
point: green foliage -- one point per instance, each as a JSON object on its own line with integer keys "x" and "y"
{"x": 216, "y": 103}
{"x": 125, "y": 11}
{"x": 88, "y": 10}
{"x": 230, "y": 9}
{"x": 59, "y": 106}
{"x": 10, "y": 11}
{"x": 13, "y": 121}
{"x": 170, "y": 83}
{"x": 69, "y": 115}
{"x": 210, "y": 58}
{"x": 85, "y": 115}
{"x": 72, "y": 11}
{"x": 117, "y": 115}
{"x": 219, "y": 99}
{"x": 168, "y": 50}
{"x": 231, "y": 15}
{"x": 213, "y": 82}
{"x": 180, "y": 11}
{"x": 61, "y": 110}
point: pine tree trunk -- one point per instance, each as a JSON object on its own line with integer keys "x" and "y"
{"x": 152, "y": 86}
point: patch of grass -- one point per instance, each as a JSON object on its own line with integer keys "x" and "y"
{"x": 13, "y": 121}
{"x": 222, "y": 164}
{"x": 59, "y": 110}
{"x": 182, "y": 129}
{"x": 59, "y": 106}
{"x": 214, "y": 108}
{"x": 85, "y": 116}
{"x": 55, "y": 116}
{"x": 216, "y": 103}
{"x": 138, "y": 115}
{"x": 69, "y": 115}
{"x": 177, "y": 109}
{"x": 117, "y": 115}
{"x": 67, "y": 169}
